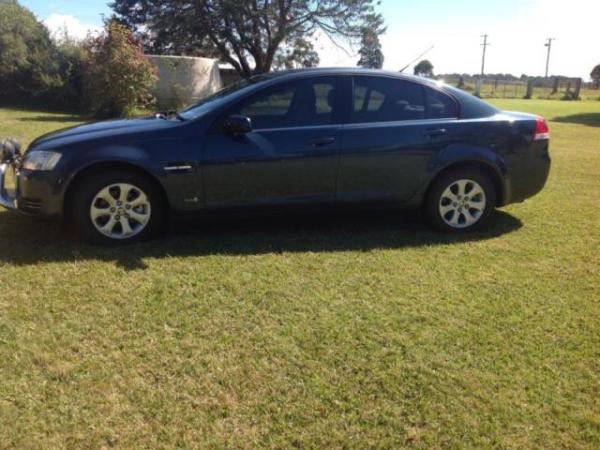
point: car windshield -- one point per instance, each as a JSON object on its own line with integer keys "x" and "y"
{"x": 197, "y": 109}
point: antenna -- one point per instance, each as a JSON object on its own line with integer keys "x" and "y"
{"x": 420, "y": 56}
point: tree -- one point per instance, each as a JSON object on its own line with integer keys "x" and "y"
{"x": 117, "y": 76}
{"x": 370, "y": 52}
{"x": 595, "y": 75}
{"x": 424, "y": 68}
{"x": 70, "y": 54}
{"x": 28, "y": 57}
{"x": 300, "y": 54}
{"x": 248, "y": 34}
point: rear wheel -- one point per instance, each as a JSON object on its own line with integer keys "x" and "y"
{"x": 460, "y": 200}
{"x": 118, "y": 207}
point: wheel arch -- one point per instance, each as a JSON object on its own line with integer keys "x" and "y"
{"x": 490, "y": 170}
{"x": 81, "y": 174}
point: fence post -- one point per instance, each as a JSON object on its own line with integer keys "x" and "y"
{"x": 478, "y": 84}
{"x": 555, "y": 86}
{"x": 578, "y": 82}
{"x": 529, "y": 93}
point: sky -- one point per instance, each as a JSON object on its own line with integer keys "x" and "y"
{"x": 517, "y": 31}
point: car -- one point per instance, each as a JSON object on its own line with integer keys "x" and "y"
{"x": 342, "y": 137}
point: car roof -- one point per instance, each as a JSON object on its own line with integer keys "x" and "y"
{"x": 323, "y": 71}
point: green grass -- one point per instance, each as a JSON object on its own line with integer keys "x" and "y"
{"x": 342, "y": 332}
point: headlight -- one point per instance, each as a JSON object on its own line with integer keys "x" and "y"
{"x": 40, "y": 160}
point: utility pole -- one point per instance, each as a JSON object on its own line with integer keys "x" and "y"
{"x": 549, "y": 45}
{"x": 484, "y": 45}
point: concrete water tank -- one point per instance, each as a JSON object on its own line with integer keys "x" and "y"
{"x": 183, "y": 80}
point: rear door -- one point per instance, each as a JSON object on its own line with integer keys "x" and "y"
{"x": 292, "y": 154}
{"x": 395, "y": 128}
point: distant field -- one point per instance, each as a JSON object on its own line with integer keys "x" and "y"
{"x": 357, "y": 331}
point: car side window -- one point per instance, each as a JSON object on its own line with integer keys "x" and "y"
{"x": 440, "y": 105}
{"x": 381, "y": 99}
{"x": 300, "y": 103}
{"x": 273, "y": 105}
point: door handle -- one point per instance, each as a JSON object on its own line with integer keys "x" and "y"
{"x": 435, "y": 132}
{"x": 321, "y": 141}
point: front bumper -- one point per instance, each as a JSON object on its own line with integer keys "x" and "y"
{"x": 8, "y": 197}
{"x": 33, "y": 193}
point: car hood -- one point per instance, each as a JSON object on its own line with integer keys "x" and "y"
{"x": 96, "y": 130}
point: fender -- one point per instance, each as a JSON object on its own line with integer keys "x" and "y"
{"x": 457, "y": 154}
{"x": 103, "y": 155}
{"x": 116, "y": 154}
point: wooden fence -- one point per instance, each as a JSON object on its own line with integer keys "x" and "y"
{"x": 535, "y": 88}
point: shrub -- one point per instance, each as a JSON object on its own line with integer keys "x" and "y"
{"x": 117, "y": 77}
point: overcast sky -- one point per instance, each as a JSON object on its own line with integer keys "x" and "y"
{"x": 517, "y": 31}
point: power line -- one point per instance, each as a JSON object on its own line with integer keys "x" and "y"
{"x": 484, "y": 45}
{"x": 549, "y": 45}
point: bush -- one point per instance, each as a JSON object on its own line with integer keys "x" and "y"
{"x": 69, "y": 95}
{"x": 117, "y": 77}
{"x": 29, "y": 66}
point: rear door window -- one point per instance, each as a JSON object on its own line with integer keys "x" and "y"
{"x": 382, "y": 99}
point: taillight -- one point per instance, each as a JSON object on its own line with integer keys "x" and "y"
{"x": 541, "y": 129}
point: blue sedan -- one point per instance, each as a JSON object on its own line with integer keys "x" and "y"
{"x": 314, "y": 137}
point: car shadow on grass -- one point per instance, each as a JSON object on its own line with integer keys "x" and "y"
{"x": 590, "y": 119}
{"x": 25, "y": 241}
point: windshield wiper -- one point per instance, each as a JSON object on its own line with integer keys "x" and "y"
{"x": 166, "y": 115}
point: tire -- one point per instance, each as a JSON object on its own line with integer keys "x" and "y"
{"x": 118, "y": 207}
{"x": 460, "y": 200}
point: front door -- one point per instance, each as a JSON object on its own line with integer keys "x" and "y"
{"x": 291, "y": 155}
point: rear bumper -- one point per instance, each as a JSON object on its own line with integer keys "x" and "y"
{"x": 32, "y": 193}
{"x": 529, "y": 172}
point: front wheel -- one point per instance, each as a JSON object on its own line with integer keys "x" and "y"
{"x": 460, "y": 200}
{"x": 118, "y": 207}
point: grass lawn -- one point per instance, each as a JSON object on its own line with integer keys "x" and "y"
{"x": 341, "y": 332}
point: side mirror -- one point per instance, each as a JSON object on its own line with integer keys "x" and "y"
{"x": 237, "y": 125}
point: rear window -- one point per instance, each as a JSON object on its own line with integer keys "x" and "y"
{"x": 440, "y": 105}
{"x": 381, "y": 99}
{"x": 470, "y": 106}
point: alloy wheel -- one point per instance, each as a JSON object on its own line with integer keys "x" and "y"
{"x": 120, "y": 211}
{"x": 462, "y": 203}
